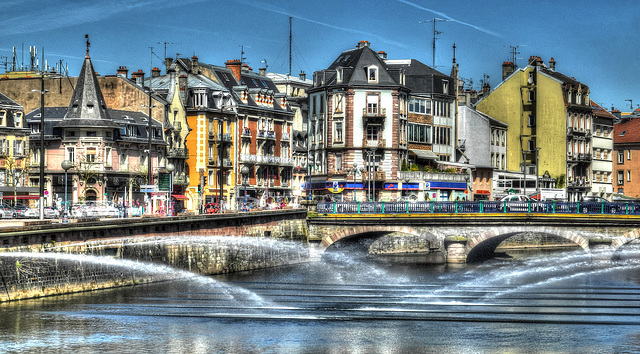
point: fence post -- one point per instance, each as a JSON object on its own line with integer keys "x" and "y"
{"x": 407, "y": 207}
{"x": 382, "y": 207}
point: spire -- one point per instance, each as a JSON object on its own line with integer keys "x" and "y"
{"x": 88, "y": 45}
{"x": 87, "y": 101}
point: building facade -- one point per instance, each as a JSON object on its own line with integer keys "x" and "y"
{"x": 602, "y": 153}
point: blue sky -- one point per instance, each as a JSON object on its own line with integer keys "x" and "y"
{"x": 594, "y": 41}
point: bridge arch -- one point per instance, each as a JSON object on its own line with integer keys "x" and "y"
{"x": 482, "y": 245}
{"x": 345, "y": 233}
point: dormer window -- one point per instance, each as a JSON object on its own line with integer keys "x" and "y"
{"x": 90, "y": 107}
{"x": 372, "y": 74}
{"x": 339, "y": 75}
{"x": 445, "y": 86}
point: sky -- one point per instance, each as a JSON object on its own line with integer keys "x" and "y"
{"x": 594, "y": 41}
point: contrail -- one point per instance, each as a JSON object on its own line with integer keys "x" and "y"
{"x": 447, "y": 17}
{"x": 351, "y": 30}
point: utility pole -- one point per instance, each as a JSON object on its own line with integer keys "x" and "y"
{"x": 435, "y": 33}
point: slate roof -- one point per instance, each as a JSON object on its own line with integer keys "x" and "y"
{"x": 6, "y": 102}
{"x": 421, "y": 78}
{"x": 601, "y": 112}
{"x": 354, "y": 63}
{"x": 87, "y": 101}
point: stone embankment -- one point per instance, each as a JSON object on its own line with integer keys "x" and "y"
{"x": 51, "y": 268}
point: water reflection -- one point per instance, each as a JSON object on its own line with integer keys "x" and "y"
{"x": 555, "y": 302}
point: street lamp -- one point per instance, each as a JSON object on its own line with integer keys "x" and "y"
{"x": 42, "y": 92}
{"x": 66, "y": 165}
{"x": 170, "y": 168}
{"x": 245, "y": 173}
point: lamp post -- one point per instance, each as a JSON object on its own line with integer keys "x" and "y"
{"x": 170, "y": 168}
{"x": 537, "y": 174}
{"x": 42, "y": 92}
{"x": 245, "y": 173}
{"x": 66, "y": 165}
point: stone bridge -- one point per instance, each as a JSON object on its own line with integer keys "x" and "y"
{"x": 468, "y": 237}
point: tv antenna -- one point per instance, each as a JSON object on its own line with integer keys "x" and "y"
{"x": 435, "y": 34}
{"x": 514, "y": 54}
{"x": 266, "y": 66}
{"x": 242, "y": 57}
{"x": 630, "y": 104}
{"x": 165, "y": 47}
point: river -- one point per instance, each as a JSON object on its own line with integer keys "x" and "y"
{"x": 541, "y": 303}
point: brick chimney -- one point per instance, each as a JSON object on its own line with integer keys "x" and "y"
{"x": 236, "y": 68}
{"x": 155, "y": 72}
{"x": 168, "y": 62}
{"x": 182, "y": 83}
{"x": 382, "y": 54}
{"x": 263, "y": 71}
{"x": 195, "y": 65}
{"x": 303, "y": 76}
{"x": 362, "y": 44}
{"x": 246, "y": 68}
{"x": 123, "y": 72}
{"x": 552, "y": 64}
{"x": 138, "y": 76}
{"x": 507, "y": 69}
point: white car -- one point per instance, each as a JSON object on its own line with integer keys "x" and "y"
{"x": 32, "y": 213}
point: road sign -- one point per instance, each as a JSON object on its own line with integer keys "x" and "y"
{"x": 164, "y": 182}
{"x": 148, "y": 188}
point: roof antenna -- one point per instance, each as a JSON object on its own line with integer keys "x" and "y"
{"x": 435, "y": 33}
{"x": 630, "y": 104}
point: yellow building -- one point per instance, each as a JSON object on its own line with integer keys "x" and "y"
{"x": 541, "y": 106}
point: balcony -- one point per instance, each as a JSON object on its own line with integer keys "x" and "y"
{"x": 246, "y": 133}
{"x": 374, "y": 116}
{"x": 248, "y": 158}
{"x": 266, "y": 134}
{"x": 178, "y": 153}
{"x": 177, "y": 126}
{"x": 227, "y": 162}
{"x": 181, "y": 180}
{"x": 286, "y": 136}
{"x": 380, "y": 143}
{"x": 584, "y": 157}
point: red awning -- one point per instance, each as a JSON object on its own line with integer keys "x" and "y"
{"x": 10, "y": 197}
{"x": 180, "y": 196}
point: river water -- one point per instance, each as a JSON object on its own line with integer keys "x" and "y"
{"x": 542, "y": 303}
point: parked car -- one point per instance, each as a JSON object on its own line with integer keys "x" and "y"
{"x": 20, "y": 210}
{"x": 32, "y": 213}
{"x": 7, "y": 212}
{"x": 519, "y": 202}
{"x": 51, "y": 213}
{"x": 593, "y": 198}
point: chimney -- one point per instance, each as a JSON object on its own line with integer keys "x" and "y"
{"x": 182, "y": 83}
{"x": 552, "y": 64}
{"x": 123, "y": 72}
{"x": 168, "y": 62}
{"x": 263, "y": 71}
{"x": 195, "y": 67}
{"x": 155, "y": 72}
{"x": 236, "y": 68}
{"x": 362, "y": 44}
{"x": 303, "y": 76}
{"x": 138, "y": 76}
{"x": 507, "y": 69}
{"x": 382, "y": 54}
{"x": 535, "y": 61}
{"x": 246, "y": 68}
{"x": 486, "y": 88}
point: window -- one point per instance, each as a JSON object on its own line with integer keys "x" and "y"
{"x": 338, "y": 103}
{"x": 338, "y": 132}
{"x": 628, "y": 175}
{"x": 419, "y": 105}
{"x": 419, "y": 133}
{"x": 620, "y": 178}
{"x": 69, "y": 133}
{"x": 91, "y": 155}
{"x": 91, "y": 133}
{"x": 605, "y": 154}
{"x": 372, "y": 132}
{"x": 338, "y": 162}
{"x": 532, "y": 95}
{"x": 372, "y": 74}
{"x": 532, "y": 145}
{"x": 445, "y": 86}
{"x": 71, "y": 154}
{"x": 532, "y": 120}
{"x": 372, "y": 104}
{"x": 339, "y": 75}
{"x": 621, "y": 157}
{"x": 628, "y": 154}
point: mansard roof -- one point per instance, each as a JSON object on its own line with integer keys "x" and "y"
{"x": 354, "y": 64}
{"x": 87, "y": 101}
{"x": 421, "y": 78}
